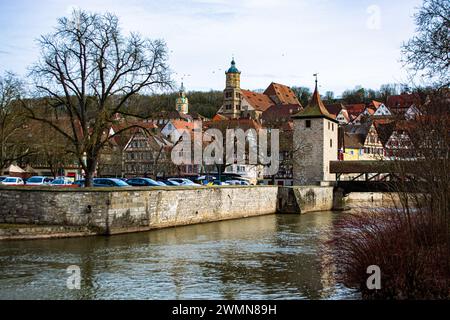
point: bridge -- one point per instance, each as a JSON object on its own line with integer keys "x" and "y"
{"x": 375, "y": 176}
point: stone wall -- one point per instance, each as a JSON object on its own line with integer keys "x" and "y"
{"x": 53, "y": 206}
{"x": 109, "y": 211}
{"x": 303, "y": 199}
{"x": 372, "y": 199}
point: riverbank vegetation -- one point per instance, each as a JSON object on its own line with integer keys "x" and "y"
{"x": 410, "y": 243}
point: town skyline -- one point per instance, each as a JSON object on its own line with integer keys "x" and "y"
{"x": 344, "y": 40}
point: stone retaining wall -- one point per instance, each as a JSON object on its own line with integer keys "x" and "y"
{"x": 303, "y": 199}
{"x": 119, "y": 210}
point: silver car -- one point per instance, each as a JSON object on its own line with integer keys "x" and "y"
{"x": 38, "y": 181}
{"x": 12, "y": 181}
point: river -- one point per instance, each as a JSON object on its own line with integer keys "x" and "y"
{"x": 268, "y": 257}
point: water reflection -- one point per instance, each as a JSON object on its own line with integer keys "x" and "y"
{"x": 270, "y": 257}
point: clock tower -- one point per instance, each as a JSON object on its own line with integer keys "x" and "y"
{"x": 232, "y": 94}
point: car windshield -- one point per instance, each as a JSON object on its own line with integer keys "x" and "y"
{"x": 10, "y": 180}
{"x": 58, "y": 182}
{"x": 35, "y": 180}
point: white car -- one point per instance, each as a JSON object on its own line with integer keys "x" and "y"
{"x": 233, "y": 182}
{"x": 38, "y": 181}
{"x": 60, "y": 183}
{"x": 184, "y": 182}
{"x": 12, "y": 181}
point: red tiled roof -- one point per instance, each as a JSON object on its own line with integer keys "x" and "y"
{"x": 259, "y": 101}
{"x": 280, "y": 112}
{"x": 183, "y": 125}
{"x": 354, "y": 110}
{"x": 219, "y": 117}
{"x": 400, "y": 103}
{"x": 243, "y": 123}
{"x": 283, "y": 93}
{"x": 376, "y": 104}
{"x": 334, "y": 109}
{"x": 371, "y": 110}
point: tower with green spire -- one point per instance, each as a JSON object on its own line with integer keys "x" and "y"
{"x": 232, "y": 94}
{"x": 315, "y": 143}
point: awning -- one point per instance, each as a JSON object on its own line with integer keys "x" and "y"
{"x": 14, "y": 169}
{"x": 30, "y": 169}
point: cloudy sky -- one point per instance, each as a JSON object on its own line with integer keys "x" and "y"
{"x": 349, "y": 42}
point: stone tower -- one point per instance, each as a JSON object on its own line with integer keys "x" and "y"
{"x": 232, "y": 94}
{"x": 315, "y": 143}
{"x": 182, "y": 102}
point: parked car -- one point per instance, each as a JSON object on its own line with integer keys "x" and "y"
{"x": 38, "y": 181}
{"x": 233, "y": 182}
{"x": 219, "y": 183}
{"x": 238, "y": 182}
{"x": 78, "y": 183}
{"x": 110, "y": 182}
{"x": 12, "y": 181}
{"x": 170, "y": 183}
{"x": 205, "y": 180}
{"x": 103, "y": 182}
{"x": 144, "y": 182}
{"x": 184, "y": 181}
{"x": 60, "y": 183}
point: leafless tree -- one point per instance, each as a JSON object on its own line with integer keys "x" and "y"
{"x": 410, "y": 242}
{"x": 90, "y": 71}
{"x": 12, "y": 120}
{"x": 428, "y": 52}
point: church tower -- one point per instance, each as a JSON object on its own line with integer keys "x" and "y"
{"x": 315, "y": 143}
{"x": 182, "y": 102}
{"x": 232, "y": 94}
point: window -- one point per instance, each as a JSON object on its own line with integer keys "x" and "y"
{"x": 331, "y": 143}
{"x": 332, "y": 126}
{"x": 308, "y": 123}
{"x": 328, "y": 125}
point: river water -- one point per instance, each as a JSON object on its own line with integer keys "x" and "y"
{"x": 268, "y": 257}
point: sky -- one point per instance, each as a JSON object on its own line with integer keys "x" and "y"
{"x": 348, "y": 42}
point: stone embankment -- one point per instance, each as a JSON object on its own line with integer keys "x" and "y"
{"x": 104, "y": 211}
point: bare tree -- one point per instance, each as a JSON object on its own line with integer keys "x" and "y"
{"x": 12, "y": 147}
{"x": 90, "y": 72}
{"x": 428, "y": 52}
{"x": 410, "y": 241}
